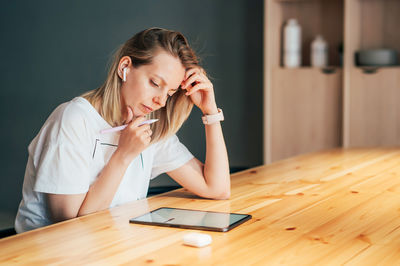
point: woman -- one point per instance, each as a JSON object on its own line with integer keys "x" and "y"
{"x": 73, "y": 169}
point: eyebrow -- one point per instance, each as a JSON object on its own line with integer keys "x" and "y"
{"x": 163, "y": 80}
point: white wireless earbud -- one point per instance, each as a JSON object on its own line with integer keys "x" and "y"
{"x": 124, "y": 79}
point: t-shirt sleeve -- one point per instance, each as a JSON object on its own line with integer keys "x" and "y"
{"x": 63, "y": 169}
{"x": 62, "y": 154}
{"x": 169, "y": 155}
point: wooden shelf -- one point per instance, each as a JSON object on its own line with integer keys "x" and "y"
{"x": 307, "y": 109}
{"x": 302, "y": 110}
{"x": 371, "y": 116}
{"x": 325, "y": 70}
{"x": 373, "y": 70}
{"x": 297, "y": 1}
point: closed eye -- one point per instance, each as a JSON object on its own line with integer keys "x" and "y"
{"x": 154, "y": 84}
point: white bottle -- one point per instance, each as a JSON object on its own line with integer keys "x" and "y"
{"x": 319, "y": 52}
{"x": 292, "y": 44}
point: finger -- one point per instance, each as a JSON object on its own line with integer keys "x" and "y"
{"x": 189, "y": 82}
{"x": 135, "y": 122}
{"x": 192, "y": 71}
{"x": 146, "y": 135}
{"x": 194, "y": 80}
{"x": 129, "y": 116}
{"x": 143, "y": 129}
{"x": 198, "y": 87}
{"x": 189, "y": 72}
{"x": 149, "y": 132}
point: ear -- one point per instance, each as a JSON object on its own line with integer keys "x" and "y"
{"x": 125, "y": 62}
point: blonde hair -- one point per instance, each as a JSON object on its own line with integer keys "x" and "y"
{"x": 141, "y": 48}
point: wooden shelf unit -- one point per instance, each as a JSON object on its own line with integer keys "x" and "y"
{"x": 371, "y": 112}
{"x": 359, "y": 103}
{"x": 302, "y": 110}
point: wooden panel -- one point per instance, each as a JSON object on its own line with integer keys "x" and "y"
{"x": 327, "y": 208}
{"x": 380, "y": 21}
{"x": 272, "y": 29}
{"x": 351, "y": 45}
{"x": 374, "y": 112}
{"x": 306, "y": 111}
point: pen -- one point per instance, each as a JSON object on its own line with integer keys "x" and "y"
{"x": 115, "y": 129}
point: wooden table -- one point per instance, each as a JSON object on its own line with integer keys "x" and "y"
{"x": 333, "y": 207}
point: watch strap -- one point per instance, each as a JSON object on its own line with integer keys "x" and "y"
{"x": 211, "y": 119}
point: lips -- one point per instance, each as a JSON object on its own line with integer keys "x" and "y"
{"x": 147, "y": 109}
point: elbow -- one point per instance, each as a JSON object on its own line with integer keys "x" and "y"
{"x": 222, "y": 195}
{"x": 222, "y": 192}
{"x": 60, "y": 217}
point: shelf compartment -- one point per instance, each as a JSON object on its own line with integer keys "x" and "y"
{"x": 315, "y": 17}
{"x": 372, "y": 24}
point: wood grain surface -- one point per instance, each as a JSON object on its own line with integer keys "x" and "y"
{"x": 335, "y": 207}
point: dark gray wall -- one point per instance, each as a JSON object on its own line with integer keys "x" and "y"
{"x": 52, "y": 51}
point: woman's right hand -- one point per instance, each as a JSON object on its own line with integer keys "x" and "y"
{"x": 134, "y": 138}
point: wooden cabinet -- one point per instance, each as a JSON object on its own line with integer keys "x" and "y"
{"x": 302, "y": 110}
{"x": 371, "y": 96}
{"x": 374, "y": 108}
{"x": 308, "y": 109}
{"x": 305, "y": 111}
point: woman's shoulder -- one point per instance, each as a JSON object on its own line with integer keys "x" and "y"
{"x": 69, "y": 119}
{"x": 77, "y": 108}
{"x": 70, "y": 114}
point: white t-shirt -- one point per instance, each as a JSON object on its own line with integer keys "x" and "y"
{"x": 69, "y": 153}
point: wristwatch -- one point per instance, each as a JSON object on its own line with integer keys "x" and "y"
{"x": 211, "y": 119}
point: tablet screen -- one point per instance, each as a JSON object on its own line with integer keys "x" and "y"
{"x": 193, "y": 219}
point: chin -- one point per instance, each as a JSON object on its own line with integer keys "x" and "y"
{"x": 139, "y": 113}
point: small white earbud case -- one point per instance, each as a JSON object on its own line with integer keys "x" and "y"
{"x": 197, "y": 239}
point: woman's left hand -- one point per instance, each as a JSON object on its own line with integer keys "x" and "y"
{"x": 200, "y": 90}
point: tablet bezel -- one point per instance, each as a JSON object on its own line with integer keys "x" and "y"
{"x": 245, "y": 218}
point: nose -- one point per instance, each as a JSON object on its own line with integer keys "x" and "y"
{"x": 161, "y": 100}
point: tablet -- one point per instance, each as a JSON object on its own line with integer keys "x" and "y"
{"x": 192, "y": 219}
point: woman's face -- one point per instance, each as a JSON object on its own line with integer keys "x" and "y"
{"x": 147, "y": 87}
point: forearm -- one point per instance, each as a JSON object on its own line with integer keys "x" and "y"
{"x": 102, "y": 191}
{"x": 212, "y": 179}
{"x": 216, "y": 167}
